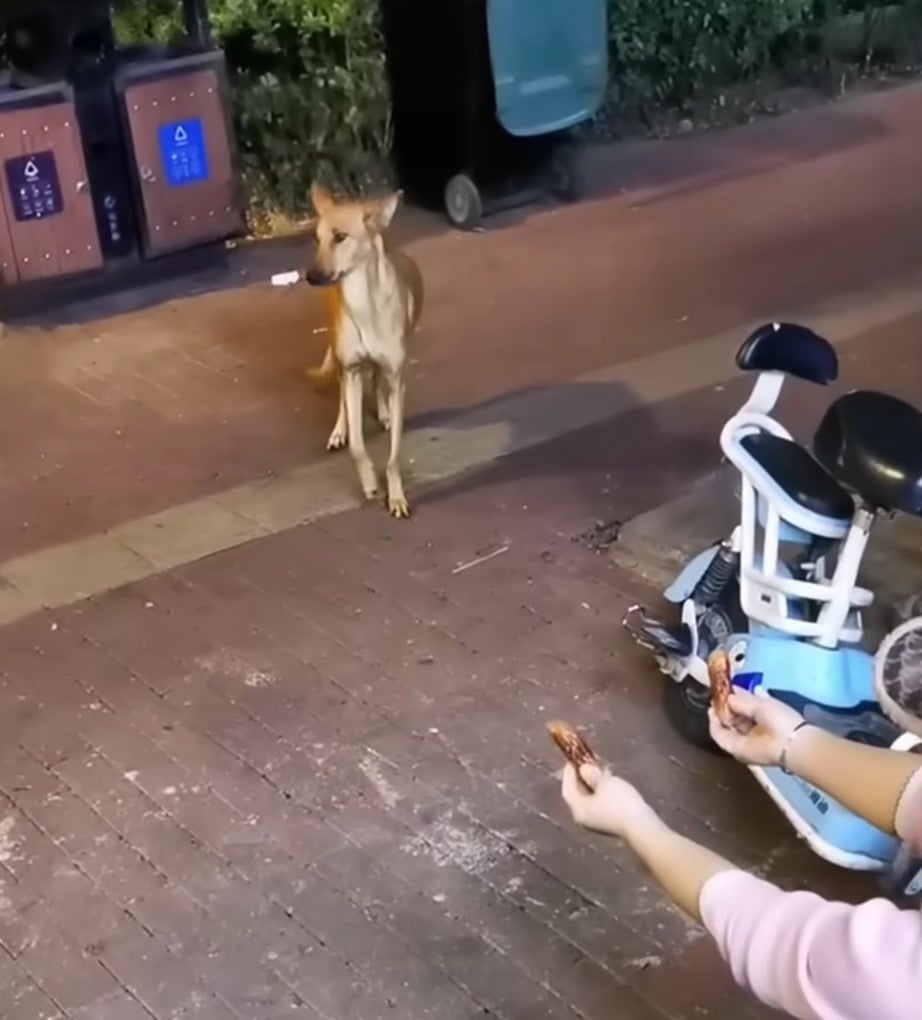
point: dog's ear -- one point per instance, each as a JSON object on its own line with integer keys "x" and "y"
{"x": 321, "y": 198}
{"x": 380, "y": 212}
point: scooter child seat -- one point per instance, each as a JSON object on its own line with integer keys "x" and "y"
{"x": 801, "y": 477}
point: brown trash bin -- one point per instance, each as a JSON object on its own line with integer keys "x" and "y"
{"x": 182, "y": 152}
{"x": 47, "y": 227}
{"x": 110, "y": 157}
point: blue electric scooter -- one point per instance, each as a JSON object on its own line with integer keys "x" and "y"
{"x": 780, "y": 595}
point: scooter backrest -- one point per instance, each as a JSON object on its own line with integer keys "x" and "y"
{"x": 791, "y": 349}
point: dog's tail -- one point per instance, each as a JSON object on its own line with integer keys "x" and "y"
{"x": 324, "y": 373}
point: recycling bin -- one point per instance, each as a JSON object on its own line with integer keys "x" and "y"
{"x": 47, "y": 223}
{"x": 182, "y": 161}
{"x": 111, "y": 156}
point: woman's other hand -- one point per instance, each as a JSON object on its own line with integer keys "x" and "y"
{"x": 614, "y": 808}
{"x": 763, "y": 729}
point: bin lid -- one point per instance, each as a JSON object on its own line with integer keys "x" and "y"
{"x": 549, "y": 60}
{"x": 10, "y": 9}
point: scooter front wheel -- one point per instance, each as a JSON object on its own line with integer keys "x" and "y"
{"x": 686, "y": 705}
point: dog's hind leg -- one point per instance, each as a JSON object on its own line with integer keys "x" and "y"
{"x": 354, "y": 387}
{"x": 340, "y": 434}
{"x": 396, "y": 498}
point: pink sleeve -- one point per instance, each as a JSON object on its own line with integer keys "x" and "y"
{"x": 812, "y": 958}
{"x": 908, "y": 821}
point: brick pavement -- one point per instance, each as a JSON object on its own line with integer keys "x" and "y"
{"x": 309, "y": 777}
{"x": 697, "y": 376}
{"x": 108, "y": 421}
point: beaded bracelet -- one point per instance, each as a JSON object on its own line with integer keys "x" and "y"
{"x": 783, "y": 757}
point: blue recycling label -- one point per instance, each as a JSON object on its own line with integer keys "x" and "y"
{"x": 183, "y": 152}
{"x": 34, "y": 188}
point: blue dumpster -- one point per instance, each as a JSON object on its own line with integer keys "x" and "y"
{"x": 485, "y": 94}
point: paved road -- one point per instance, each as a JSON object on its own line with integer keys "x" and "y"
{"x": 105, "y": 422}
{"x": 300, "y": 770}
{"x": 309, "y": 777}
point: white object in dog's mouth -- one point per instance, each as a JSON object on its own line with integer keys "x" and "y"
{"x": 286, "y": 279}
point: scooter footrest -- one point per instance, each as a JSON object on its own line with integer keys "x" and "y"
{"x": 659, "y": 637}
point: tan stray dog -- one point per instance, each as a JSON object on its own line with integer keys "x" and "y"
{"x": 375, "y": 302}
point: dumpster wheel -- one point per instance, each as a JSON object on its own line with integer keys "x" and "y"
{"x": 463, "y": 203}
{"x": 563, "y": 174}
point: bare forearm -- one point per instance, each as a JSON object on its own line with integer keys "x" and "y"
{"x": 678, "y": 864}
{"x": 867, "y": 780}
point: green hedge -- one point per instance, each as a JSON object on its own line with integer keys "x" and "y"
{"x": 664, "y": 51}
{"x": 310, "y": 90}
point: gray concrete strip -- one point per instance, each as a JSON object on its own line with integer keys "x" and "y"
{"x": 60, "y": 575}
{"x": 521, "y": 420}
{"x": 185, "y": 533}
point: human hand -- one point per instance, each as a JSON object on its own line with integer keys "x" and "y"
{"x": 762, "y": 730}
{"x": 613, "y": 808}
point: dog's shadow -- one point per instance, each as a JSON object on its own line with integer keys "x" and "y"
{"x": 594, "y": 454}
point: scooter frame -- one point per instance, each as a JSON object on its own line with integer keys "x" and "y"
{"x": 785, "y": 637}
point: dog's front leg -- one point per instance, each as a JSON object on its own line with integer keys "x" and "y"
{"x": 340, "y": 433}
{"x": 382, "y": 396}
{"x": 396, "y": 498}
{"x": 353, "y": 384}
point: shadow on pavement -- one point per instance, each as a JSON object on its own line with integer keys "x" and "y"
{"x": 604, "y": 453}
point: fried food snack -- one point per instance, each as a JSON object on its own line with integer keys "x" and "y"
{"x": 574, "y": 748}
{"x": 721, "y": 687}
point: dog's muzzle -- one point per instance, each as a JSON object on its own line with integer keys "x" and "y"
{"x": 318, "y": 278}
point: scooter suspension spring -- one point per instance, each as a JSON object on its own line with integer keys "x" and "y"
{"x": 721, "y": 568}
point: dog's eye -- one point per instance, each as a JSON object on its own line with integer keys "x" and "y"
{"x": 339, "y": 237}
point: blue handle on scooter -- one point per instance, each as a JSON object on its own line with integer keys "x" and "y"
{"x": 748, "y": 681}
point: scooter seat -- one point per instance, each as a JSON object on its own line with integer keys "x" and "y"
{"x": 800, "y": 476}
{"x": 872, "y": 443}
{"x": 791, "y": 349}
